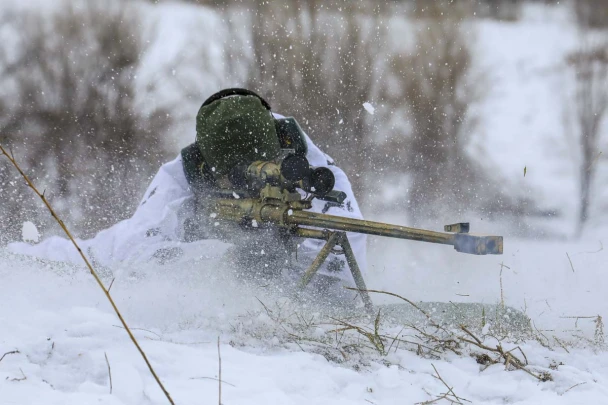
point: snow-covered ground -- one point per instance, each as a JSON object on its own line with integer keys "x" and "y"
{"x": 547, "y": 280}
{"x": 62, "y": 327}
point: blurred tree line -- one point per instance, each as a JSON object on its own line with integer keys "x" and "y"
{"x": 71, "y": 109}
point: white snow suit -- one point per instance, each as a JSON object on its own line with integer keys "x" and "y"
{"x": 157, "y": 224}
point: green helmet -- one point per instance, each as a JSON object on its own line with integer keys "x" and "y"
{"x": 235, "y": 128}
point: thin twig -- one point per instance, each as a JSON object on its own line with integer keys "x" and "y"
{"x": 109, "y": 370}
{"x": 450, "y": 389}
{"x": 525, "y": 362}
{"x": 219, "y": 358}
{"x": 93, "y": 272}
{"x": 394, "y": 340}
{"x": 7, "y": 353}
{"x": 508, "y": 357}
{"x": 448, "y": 396}
{"x": 479, "y": 343}
{"x": 433, "y": 323}
{"x": 523, "y": 354}
{"x": 559, "y": 342}
{"x": 20, "y": 379}
{"x": 577, "y": 318}
{"x": 212, "y": 378}
{"x": 268, "y": 310}
{"x": 175, "y": 342}
{"x": 575, "y": 385}
{"x": 111, "y": 284}
{"x": 374, "y": 337}
{"x": 449, "y": 344}
{"x": 145, "y": 330}
{"x": 570, "y": 260}
{"x": 502, "y": 296}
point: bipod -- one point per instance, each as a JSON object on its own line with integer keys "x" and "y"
{"x": 335, "y": 238}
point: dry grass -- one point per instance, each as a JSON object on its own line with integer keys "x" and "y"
{"x": 449, "y": 395}
{"x": 355, "y": 340}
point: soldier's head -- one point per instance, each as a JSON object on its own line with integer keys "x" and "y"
{"x": 233, "y": 127}
{"x": 236, "y": 127}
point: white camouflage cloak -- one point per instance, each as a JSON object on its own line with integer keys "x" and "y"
{"x": 157, "y": 224}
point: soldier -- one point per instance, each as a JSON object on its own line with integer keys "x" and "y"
{"x": 233, "y": 126}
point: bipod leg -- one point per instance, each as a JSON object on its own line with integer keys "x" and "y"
{"x": 320, "y": 259}
{"x": 356, "y": 272}
{"x": 339, "y": 239}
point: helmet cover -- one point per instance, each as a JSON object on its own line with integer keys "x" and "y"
{"x": 235, "y": 130}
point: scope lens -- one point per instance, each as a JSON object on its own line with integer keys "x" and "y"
{"x": 294, "y": 167}
{"x": 323, "y": 180}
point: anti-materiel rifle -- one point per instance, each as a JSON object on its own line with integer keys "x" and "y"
{"x": 266, "y": 194}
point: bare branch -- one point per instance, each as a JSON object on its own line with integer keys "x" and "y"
{"x": 570, "y": 260}
{"x": 212, "y": 378}
{"x": 449, "y": 395}
{"x": 7, "y": 353}
{"x": 219, "y": 358}
{"x": 433, "y": 323}
{"x": 20, "y": 379}
{"x": 92, "y": 271}
{"x": 575, "y": 385}
{"x": 109, "y": 370}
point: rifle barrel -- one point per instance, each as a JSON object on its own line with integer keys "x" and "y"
{"x": 368, "y": 227}
{"x": 462, "y": 242}
{"x": 283, "y": 215}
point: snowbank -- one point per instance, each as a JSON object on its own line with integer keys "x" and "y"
{"x": 61, "y": 326}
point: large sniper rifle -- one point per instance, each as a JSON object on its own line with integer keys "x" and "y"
{"x": 265, "y": 194}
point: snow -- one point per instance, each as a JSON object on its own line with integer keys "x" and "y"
{"x": 538, "y": 279}
{"x": 523, "y": 113}
{"x": 29, "y": 232}
{"x": 369, "y": 108}
{"x": 62, "y": 327}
